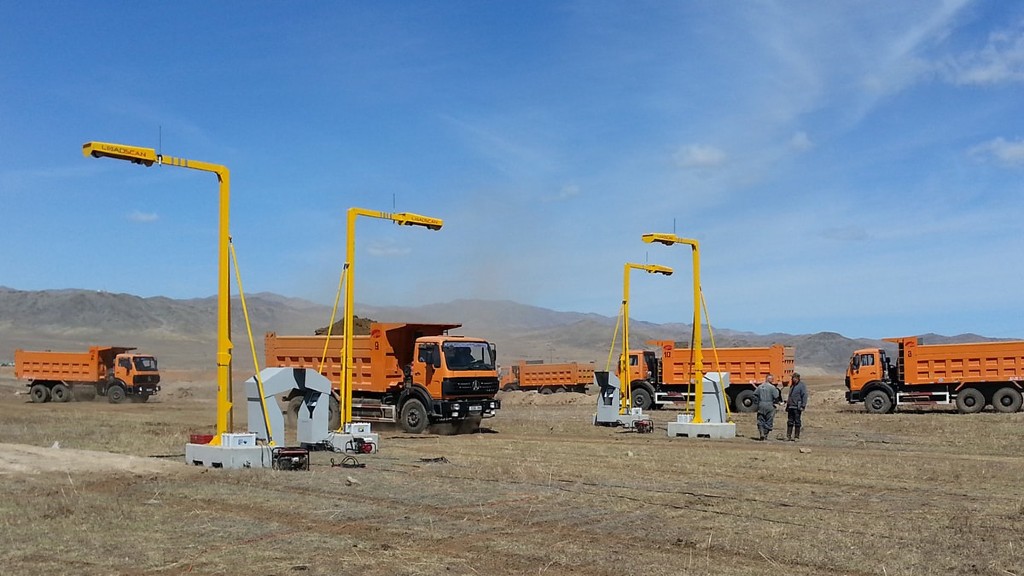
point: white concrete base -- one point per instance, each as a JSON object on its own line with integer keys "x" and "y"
{"x": 228, "y": 456}
{"x": 346, "y": 443}
{"x": 702, "y": 430}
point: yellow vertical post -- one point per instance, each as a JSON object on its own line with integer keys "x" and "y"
{"x": 346, "y": 359}
{"x": 698, "y": 351}
{"x": 225, "y": 402}
{"x": 625, "y": 384}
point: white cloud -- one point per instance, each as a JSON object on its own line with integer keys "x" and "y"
{"x": 800, "y": 142}
{"x": 1005, "y": 152}
{"x": 845, "y": 233}
{"x": 699, "y": 156}
{"x": 386, "y": 249}
{"x": 143, "y": 217}
{"x": 514, "y": 143}
{"x": 1000, "y": 60}
{"x": 568, "y": 191}
{"x": 847, "y": 57}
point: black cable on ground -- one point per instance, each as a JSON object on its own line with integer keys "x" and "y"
{"x": 348, "y": 462}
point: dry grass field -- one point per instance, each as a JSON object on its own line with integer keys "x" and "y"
{"x": 544, "y": 492}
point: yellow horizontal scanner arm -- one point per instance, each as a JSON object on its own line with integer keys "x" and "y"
{"x": 667, "y": 239}
{"x": 135, "y": 154}
{"x": 652, "y": 268}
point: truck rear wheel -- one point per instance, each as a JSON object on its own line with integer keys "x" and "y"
{"x": 878, "y": 402}
{"x": 333, "y": 413}
{"x": 746, "y": 401}
{"x": 39, "y": 393}
{"x": 115, "y": 393}
{"x": 1007, "y": 399}
{"x": 414, "y": 416}
{"x": 60, "y": 393}
{"x": 970, "y": 401}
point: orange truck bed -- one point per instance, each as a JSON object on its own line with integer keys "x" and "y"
{"x": 744, "y": 365}
{"x": 571, "y": 376}
{"x": 975, "y": 362}
{"x": 91, "y": 366}
{"x": 377, "y": 357}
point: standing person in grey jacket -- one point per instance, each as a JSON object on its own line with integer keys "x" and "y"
{"x": 796, "y": 403}
{"x": 767, "y": 397}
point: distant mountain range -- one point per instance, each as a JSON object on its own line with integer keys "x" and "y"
{"x": 181, "y": 333}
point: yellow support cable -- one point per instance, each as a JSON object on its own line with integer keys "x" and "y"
{"x": 714, "y": 349}
{"x": 252, "y": 345}
{"x": 615, "y": 336}
{"x": 330, "y": 326}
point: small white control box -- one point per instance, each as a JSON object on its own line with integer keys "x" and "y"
{"x": 237, "y": 440}
{"x": 357, "y": 428}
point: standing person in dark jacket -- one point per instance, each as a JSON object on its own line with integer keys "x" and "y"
{"x": 767, "y": 397}
{"x": 796, "y": 403}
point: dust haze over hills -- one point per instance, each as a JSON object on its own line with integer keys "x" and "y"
{"x": 182, "y": 333}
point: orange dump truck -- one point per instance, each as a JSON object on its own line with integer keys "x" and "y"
{"x": 658, "y": 381}
{"x": 114, "y": 373}
{"x": 548, "y": 378}
{"x": 410, "y": 374}
{"x": 968, "y": 375}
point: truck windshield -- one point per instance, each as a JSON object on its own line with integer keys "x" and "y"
{"x": 468, "y": 356}
{"x": 145, "y": 363}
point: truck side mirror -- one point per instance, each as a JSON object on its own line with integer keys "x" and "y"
{"x": 435, "y": 357}
{"x": 494, "y": 353}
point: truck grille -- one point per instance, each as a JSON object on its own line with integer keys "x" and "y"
{"x": 146, "y": 379}
{"x": 469, "y": 386}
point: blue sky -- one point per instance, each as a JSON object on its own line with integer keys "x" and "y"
{"x": 847, "y": 166}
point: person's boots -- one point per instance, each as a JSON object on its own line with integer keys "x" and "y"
{"x": 760, "y": 432}
{"x": 789, "y": 432}
{"x": 796, "y": 433}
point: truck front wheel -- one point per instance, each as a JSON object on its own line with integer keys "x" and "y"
{"x": 642, "y": 398}
{"x": 878, "y": 402}
{"x": 1007, "y": 399}
{"x": 970, "y": 401}
{"x": 746, "y": 401}
{"x": 39, "y": 393}
{"x": 115, "y": 394}
{"x": 414, "y": 416}
{"x": 471, "y": 425}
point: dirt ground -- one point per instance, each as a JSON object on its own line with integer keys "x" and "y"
{"x": 541, "y": 492}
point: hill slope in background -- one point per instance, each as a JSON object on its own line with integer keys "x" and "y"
{"x": 182, "y": 333}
